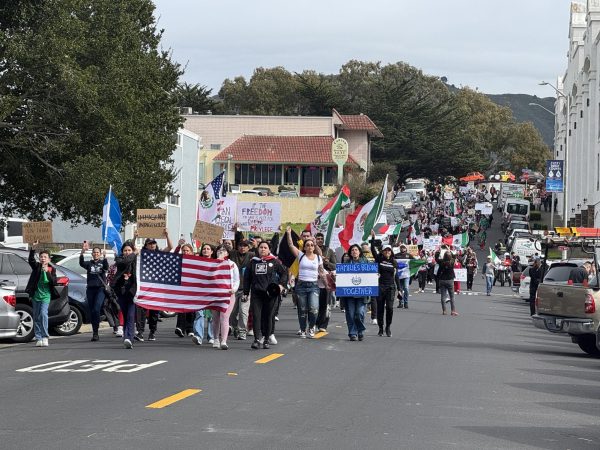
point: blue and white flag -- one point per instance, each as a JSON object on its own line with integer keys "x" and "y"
{"x": 111, "y": 222}
{"x": 207, "y": 206}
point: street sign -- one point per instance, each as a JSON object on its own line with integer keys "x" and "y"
{"x": 554, "y": 175}
{"x": 339, "y": 155}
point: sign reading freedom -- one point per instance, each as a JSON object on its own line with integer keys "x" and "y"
{"x": 357, "y": 280}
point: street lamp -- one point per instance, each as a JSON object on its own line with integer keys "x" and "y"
{"x": 560, "y": 93}
{"x": 543, "y": 107}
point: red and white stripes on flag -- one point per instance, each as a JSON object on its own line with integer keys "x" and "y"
{"x": 182, "y": 283}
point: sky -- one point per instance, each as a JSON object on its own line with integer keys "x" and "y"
{"x": 497, "y": 47}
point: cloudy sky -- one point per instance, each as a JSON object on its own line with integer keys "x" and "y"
{"x": 504, "y": 46}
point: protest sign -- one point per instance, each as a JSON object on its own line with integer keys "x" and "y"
{"x": 260, "y": 217}
{"x": 225, "y": 215}
{"x": 460, "y": 274}
{"x": 151, "y": 223}
{"x": 37, "y": 231}
{"x": 485, "y": 208}
{"x": 432, "y": 243}
{"x": 357, "y": 280}
{"x": 448, "y": 195}
{"x": 412, "y": 250}
{"x": 454, "y": 221}
{"x": 208, "y": 233}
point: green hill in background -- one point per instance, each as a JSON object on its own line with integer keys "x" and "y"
{"x": 523, "y": 112}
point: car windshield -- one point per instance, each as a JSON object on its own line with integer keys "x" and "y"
{"x": 516, "y": 208}
{"x": 415, "y": 185}
{"x": 519, "y": 226}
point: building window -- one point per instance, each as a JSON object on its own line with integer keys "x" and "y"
{"x": 179, "y": 139}
{"x": 598, "y": 172}
{"x": 574, "y": 125}
{"x": 561, "y": 147}
{"x": 581, "y": 113}
{"x": 215, "y": 146}
{"x": 587, "y": 102}
{"x": 173, "y": 199}
{"x": 330, "y": 175}
{"x": 311, "y": 177}
{"x": 291, "y": 175}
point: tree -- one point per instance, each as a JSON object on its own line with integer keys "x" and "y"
{"x": 86, "y": 101}
{"x": 195, "y": 96}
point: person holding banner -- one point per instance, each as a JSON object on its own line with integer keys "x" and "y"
{"x": 125, "y": 286}
{"x": 221, "y": 319}
{"x": 404, "y": 278}
{"x": 264, "y": 278}
{"x": 41, "y": 288}
{"x": 307, "y": 289}
{"x": 388, "y": 284}
{"x": 185, "y": 321}
{"x": 355, "y": 306}
{"x": 201, "y": 316}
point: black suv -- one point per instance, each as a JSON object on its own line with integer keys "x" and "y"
{"x": 15, "y": 269}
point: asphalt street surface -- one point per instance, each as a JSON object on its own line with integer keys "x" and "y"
{"x": 486, "y": 379}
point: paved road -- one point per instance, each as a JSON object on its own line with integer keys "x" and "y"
{"x": 484, "y": 380}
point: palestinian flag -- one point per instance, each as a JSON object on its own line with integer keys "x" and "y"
{"x": 388, "y": 230}
{"x": 448, "y": 240}
{"x": 360, "y": 223}
{"x": 409, "y": 267}
{"x": 495, "y": 259}
{"x": 325, "y": 221}
{"x": 460, "y": 240}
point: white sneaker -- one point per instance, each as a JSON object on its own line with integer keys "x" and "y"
{"x": 311, "y": 333}
{"x": 119, "y": 332}
{"x": 127, "y": 343}
{"x": 302, "y": 335}
{"x": 250, "y": 333}
{"x": 44, "y": 342}
{"x": 190, "y": 334}
{"x": 299, "y": 332}
{"x": 211, "y": 341}
{"x": 196, "y": 340}
{"x": 276, "y": 319}
{"x": 39, "y": 343}
{"x": 373, "y": 321}
{"x": 215, "y": 343}
{"x": 272, "y": 340}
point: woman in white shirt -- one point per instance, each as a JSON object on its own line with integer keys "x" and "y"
{"x": 307, "y": 289}
{"x": 221, "y": 319}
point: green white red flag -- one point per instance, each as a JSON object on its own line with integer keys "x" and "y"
{"x": 325, "y": 222}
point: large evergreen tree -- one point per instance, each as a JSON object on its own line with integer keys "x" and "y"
{"x": 86, "y": 100}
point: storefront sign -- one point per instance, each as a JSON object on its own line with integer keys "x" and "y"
{"x": 259, "y": 217}
{"x": 357, "y": 280}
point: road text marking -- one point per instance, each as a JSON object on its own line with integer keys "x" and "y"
{"x": 173, "y": 398}
{"x": 269, "y": 358}
{"x": 106, "y": 365}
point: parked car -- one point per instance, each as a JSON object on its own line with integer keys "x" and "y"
{"x": 289, "y": 194}
{"x": 79, "y": 313}
{"x": 15, "y": 269}
{"x": 71, "y": 262}
{"x": 404, "y": 199}
{"x": 472, "y": 176}
{"x": 503, "y": 175}
{"x": 56, "y": 257}
{"x": 264, "y": 191}
{"x": 525, "y": 282}
{"x": 9, "y": 319}
{"x": 418, "y": 187}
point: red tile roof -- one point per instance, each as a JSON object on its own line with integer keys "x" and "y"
{"x": 358, "y": 122}
{"x": 281, "y": 149}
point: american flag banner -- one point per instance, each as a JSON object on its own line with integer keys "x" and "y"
{"x": 182, "y": 283}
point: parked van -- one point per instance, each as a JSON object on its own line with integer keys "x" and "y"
{"x": 516, "y": 206}
{"x": 11, "y": 234}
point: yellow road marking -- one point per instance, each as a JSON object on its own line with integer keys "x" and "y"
{"x": 321, "y": 334}
{"x": 269, "y": 358}
{"x": 232, "y": 374}
{"x": 173, "y": 398}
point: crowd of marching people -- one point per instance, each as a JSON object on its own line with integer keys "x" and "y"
{"x": 262, "y": 272}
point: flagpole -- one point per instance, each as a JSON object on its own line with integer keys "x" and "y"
{"x": 107, "y": 214}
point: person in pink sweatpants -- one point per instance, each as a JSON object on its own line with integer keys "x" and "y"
{"x": 221, "y": 319}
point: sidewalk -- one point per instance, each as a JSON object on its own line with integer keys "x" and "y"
{"x": 558, "y": 221}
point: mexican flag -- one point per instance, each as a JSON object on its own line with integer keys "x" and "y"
{"x": 416, "y": 232}
{"x": 360, "y": 223}
{"x": 495, "y": 259}
{"x": 325, "y": 221}
{"x": 460, "y": 240}
{"x": 448, "y": 240}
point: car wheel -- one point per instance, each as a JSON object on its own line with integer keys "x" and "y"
{"x": 167, "y": 314}
{"x": 587, "y": 343}
{"x": 72, "y": 325}
{"x": 25, "y": 329}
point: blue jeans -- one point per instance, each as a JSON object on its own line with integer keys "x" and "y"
{"x": 404, "y": 287}
{"x": 489, "y": 282}
{"x": 40, "y": 319}
{"x": 199, "y": 326}
{"x": 308, "y": 299}
{"x": 95, "y": 298}
{"x": 128, "y": 310}
{"x": 355, "y": 315}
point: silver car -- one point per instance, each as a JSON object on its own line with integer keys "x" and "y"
{"x": 9, "y": 319}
